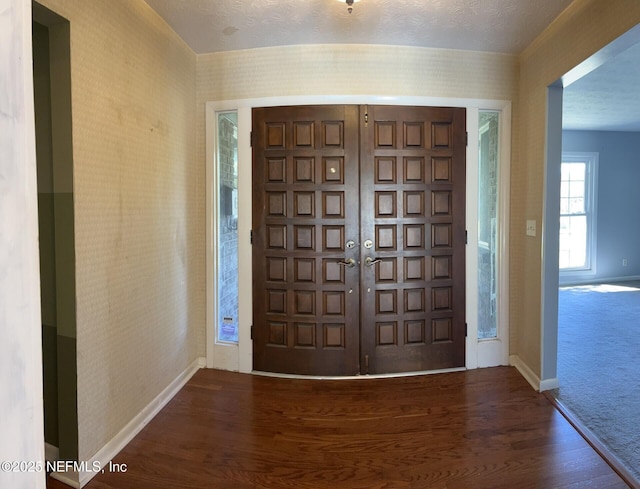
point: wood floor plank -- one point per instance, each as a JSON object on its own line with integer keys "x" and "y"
{"x": 482, "y": 429}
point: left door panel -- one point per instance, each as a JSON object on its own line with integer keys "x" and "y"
{"x": 305, "y": 240}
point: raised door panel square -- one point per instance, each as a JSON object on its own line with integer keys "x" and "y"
{"x": 276, "y": 269}
{"x": 385, "y": 134}
{"x": 386, "y": 271}
{"x": 333, "y": 204}
{"x": 304, "y": 204}
{"x": 386, "y": 237}
{"x": 333, "y": 303}
{"x": 414, "y": 170}
{"x": 333, "y": 170}
{"x": 414, "y": 300}
{"x": 276, "y": 170}
{"x": 441, "y": 267}
{"x": 277, "y": 301}
{"x": 277, "y": 203}
{"x": 414, "y": 204}
{"x": 277, "y": 333}
{"x": 385, "y": 204}
{"x": 441, "y": 203}
{"x": 305, "y": 335}
{"x": 385, "y": 170}
{"x": 413, "y": 236}
{"x": 441, "y": 330}
{"x": 304, "y": 170}
{"x": 303, "y": 134}
{"x": 441, "y": 136}
{"x": 414, "y": 268}
{"x": 304, "y": 237}
{"x": 305, "y": 302}
{"x": 275, "y": 132}
{"x": 386, "y": 302}
{"x": 441, "y": 170}
{"x": 332, "y": 271}
{"x": 386, "y": 334}
{"x": 413, "y": 134}
{"x": 333, "y": 336}
{"x": 441, "y": 300}
{"x": 441, "y": 235}
{"x": 333, "y": 238}
{"x": 304, "y": 270}
{"x": 332, "y": 134}
{"x": 277, "y": 237}
{"x": 414, "y": 332}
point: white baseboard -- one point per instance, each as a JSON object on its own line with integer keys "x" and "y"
{"x": 601, "y": 280}
{"x": 525, "y": 371}
{"x": 548, "y": 384}
{"x": 118, "y": 442}
{"x": 531, "y": 377}
{"x": 66, "y": 479}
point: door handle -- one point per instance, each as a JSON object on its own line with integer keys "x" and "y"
{"x": 349, "y": 263}
{"x": 368, "y": 261}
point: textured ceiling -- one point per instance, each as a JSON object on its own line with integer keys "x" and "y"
{"x": 606, "y": 99}
{"x": 506, "y": 26}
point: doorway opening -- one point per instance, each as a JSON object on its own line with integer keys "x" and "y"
{"x": 587, "y": 357}
{"x": 54, "y": 155}
{"x": 480, "y": 352}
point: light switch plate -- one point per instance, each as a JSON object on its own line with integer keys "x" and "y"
{"x": 531, "y": 227}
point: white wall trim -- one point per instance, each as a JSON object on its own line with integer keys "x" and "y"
{"x": 531, "y": 377}
{"x": 118, "y": 442}
{"x": 601, "y": 280}
{"x": 525, "y": 371}
{"x": 548, "y": 384}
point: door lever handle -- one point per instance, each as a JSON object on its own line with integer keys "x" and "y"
{"x": 350, "y": 263}
{"x": 368, "y": 261}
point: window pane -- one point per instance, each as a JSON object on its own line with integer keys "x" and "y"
{"x": 573, "y": 241}
{"x": 576, "y": 206}
{"x": 575, "y": 212}
{"x": 227, "y": 327}
{"x": 487, "y": 228}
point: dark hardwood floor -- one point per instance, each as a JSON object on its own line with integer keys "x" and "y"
{"x": 478, "y": 429}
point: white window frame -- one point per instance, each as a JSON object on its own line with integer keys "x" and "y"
{"x": 588, "y": 272}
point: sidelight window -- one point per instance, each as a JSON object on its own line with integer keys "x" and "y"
{"x": 227, "y": 227}
{"x": 488, "y": 172}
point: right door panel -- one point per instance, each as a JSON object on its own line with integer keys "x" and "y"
{"x": 412, "y": 199}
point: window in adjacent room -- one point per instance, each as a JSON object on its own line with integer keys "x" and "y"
{"x": 578, "y": 212}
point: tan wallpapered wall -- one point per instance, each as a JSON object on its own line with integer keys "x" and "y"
{"x": 582, "y": 30}
{"x": 139, "y": 211}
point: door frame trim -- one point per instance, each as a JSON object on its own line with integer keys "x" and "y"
{"x": 239, "y": 357}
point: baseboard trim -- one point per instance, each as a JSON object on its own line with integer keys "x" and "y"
{"x": 65, "y": 479}
{"x": 525, "y": 371}
{"x": 602, "y": 280}
{"x": 549, "y": 384}
{"x": 118, "y": 442}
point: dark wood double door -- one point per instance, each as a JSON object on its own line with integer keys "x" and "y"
{"x": 358, "y": 239}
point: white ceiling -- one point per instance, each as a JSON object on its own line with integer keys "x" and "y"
{"x": 505, "y": 26}
{"x": 606, "y": 99}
